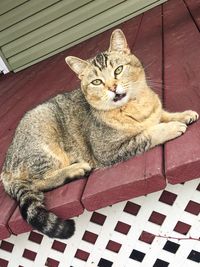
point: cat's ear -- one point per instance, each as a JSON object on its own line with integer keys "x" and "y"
{"x": 77, "y": 65}
{"x": 118, "y": 42}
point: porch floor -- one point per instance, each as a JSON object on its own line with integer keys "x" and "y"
{"x": 166, "y": 40}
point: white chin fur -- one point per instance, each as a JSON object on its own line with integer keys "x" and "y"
{"x": 111, "y": 95}
{"x": 120, "y": 89}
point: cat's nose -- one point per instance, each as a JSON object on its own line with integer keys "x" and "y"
{"x": 112, "y": 88}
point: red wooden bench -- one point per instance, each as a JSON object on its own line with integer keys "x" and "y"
{"x": 172, "y": 63}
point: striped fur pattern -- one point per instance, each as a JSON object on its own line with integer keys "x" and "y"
{"x": 113, "y": 116}
{"x": 33, "y": 210}
{"x": 100, "y": 61}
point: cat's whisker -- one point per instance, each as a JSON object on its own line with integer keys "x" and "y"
{"x": 150, "y": 79}
{"x": 149, "y": 64}
{"x": 160, "y": 83}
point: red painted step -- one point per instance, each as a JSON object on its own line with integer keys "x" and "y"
{"x": 182, "y": 86}
{"x": 136, "y": 177}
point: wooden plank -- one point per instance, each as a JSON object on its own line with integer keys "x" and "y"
{"x": 4, "y": 85}
{"x": 39, "y": 19}
{"x": 9, "y": 90}
{"x": 182, "y": 86}
{"x": 23, "y": 11}
{"x": 22, "y": 89}
{"x": 144, "y": 174}
{"x": 7, "y": 207}
{"x": 135, "y": 177}
{"x": 63, "y": 201}
{"x": 194, "y": 9}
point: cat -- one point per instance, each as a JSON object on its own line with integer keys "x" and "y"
{"x": 114, "y": 116}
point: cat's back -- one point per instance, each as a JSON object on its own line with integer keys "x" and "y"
{"x": 47, "y": 123}
{"x": 69, "y": 104}
{"x": 60, "y": 110}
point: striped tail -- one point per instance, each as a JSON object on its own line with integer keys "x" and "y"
{"x": 34, "y": 212}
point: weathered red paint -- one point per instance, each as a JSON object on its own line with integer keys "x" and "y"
{"x": 182, "y": 85}
{"x": 125, "y": 180}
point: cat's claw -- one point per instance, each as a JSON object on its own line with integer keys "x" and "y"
{"x": 179, "y": 128}
{"x": 190, "y": 116}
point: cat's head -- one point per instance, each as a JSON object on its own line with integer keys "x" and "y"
{"x": 113, "y": 77}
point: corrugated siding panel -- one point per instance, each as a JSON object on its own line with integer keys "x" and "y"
{"x": 33, "y": 32}
{"x": 24, "y": 11}
{"x": 58, "y": 27}
{"x": 48, "y": 15}
{"x": 7, "y": 5}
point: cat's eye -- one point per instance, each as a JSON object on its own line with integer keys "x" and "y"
{"x": 118, "y": 70}
{"x": 97, "y": 82}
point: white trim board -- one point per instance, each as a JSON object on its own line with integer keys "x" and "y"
{"x": 3, "y": 67}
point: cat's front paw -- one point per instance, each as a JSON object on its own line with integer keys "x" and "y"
{"x": 164, "y": 132}
{"x": 79, "y": 169}
{"x": 190, "y": 116}
{"x": 176, "y": 129}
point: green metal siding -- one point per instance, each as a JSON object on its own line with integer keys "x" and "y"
{"x": 36, "y": 29}
{"x": 7, "y": 5}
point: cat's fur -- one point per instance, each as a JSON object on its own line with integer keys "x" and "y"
{"x": 114, "y": 116}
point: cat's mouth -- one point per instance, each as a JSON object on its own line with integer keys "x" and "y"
{"x": 118, "y": 97}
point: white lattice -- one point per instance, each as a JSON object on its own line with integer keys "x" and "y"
{"x": 161, "y": 229}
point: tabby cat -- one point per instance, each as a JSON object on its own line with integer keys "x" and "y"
{"x": 114, "y": 116}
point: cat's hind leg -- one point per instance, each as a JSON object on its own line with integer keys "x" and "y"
{"x": 187, "y": 117}
{"x": 56, "y": 178}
